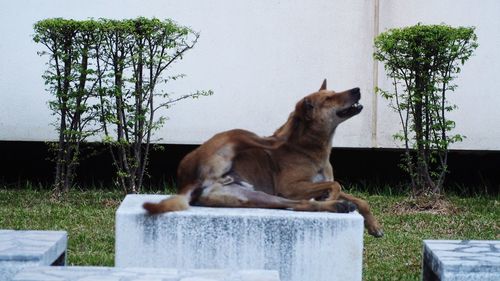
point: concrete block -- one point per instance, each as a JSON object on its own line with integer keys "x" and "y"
{"x": 19, "y": 249}
{"x": 302, "y": 246}
{"x": 82, "y": 273}
{"x": 467, "y": 260}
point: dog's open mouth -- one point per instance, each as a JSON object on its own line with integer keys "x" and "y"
{"x": 352, "y": 110}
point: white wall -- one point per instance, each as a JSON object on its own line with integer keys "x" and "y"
{"x": 260, "y": 57}
{"x": 477, "y": 97}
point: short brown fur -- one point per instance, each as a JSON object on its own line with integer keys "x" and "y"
{"x": 288, "y": 170}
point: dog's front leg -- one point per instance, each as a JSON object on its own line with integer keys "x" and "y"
{"x": 328, "y": 171}
{"x": 308, "y": 190}
{"x": 371, "y": 222}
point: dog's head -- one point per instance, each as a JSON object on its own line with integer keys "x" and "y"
{"x": 328, "y": 108}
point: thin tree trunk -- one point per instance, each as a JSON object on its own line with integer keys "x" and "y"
{"x": 62, "y": 146}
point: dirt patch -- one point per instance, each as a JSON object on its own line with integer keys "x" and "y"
{"x": 110, "y": 203}
{"x": 429, "y": 204}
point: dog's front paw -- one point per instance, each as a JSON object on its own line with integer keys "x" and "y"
{"x": 374, "y": 229}
{"x": 343, "y": 206}
{"x": 377, "y": 233}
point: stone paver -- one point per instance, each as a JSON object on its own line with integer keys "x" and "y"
{"x": 75, "y": 273}
{"x": 467, "y": 260}
{"x": 19, "y": 249}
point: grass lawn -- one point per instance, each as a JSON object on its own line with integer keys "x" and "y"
{"x": 89, "y": 219}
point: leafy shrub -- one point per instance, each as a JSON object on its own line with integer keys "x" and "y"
{"x": 108, "y": 76}
{"x": 70, "y": 78}
{"x": 422, "y": 61}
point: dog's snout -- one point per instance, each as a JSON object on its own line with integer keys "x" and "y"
{"x": 356, "y": 93}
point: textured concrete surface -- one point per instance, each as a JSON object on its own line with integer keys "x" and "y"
{"x": 50, "y": 273}
{"x": 300, "y": 245}
{"x": 457, "y": 260}
{"x": 19, "y": 249}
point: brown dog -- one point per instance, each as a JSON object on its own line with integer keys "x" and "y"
{"x": 289, "y": 170}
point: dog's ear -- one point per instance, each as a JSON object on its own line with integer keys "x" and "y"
{"x": 305, "y": 109}
{"x": 323, "y": 86}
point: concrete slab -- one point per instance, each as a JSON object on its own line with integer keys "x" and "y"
{"x": 19, "y": 249}
{"x": 80, "y": 273}
{"x": 467, "y": 260}
{"x": 300, "y": 245}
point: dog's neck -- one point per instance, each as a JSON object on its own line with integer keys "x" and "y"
{"x": 305, "y": 134}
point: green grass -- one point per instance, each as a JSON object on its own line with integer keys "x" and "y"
{"x": 398, "y": 255}
{"x": 89, "y": 219}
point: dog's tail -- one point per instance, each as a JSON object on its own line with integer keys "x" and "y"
{"x": 174, "y": 203}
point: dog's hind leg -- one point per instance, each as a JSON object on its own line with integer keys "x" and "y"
{"x": 236, "y": 195}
